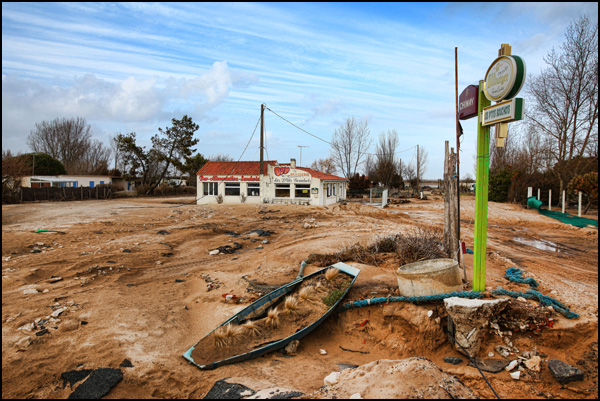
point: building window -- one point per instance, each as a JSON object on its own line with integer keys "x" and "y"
{"x": 75, "y": 184}
{"x": 232, "y": 189}
{"x": 302, "y": 191}
{"x": 211, "y": 188}
{"x": 282, "y": 190}
{"x": 91, "y": 184}
{"x": 253, "y": 189}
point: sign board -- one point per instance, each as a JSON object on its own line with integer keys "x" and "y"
{"x": 467, "y": 102}
{"x": 285, "y": 175}
{"x": 505, "y": 78}
{"x": 503, "y": 112}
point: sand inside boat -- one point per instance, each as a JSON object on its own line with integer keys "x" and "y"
{"x": 233, "y": 339}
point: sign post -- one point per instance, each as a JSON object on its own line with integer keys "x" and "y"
{"x": 503, "y": 81}
{"x": 481, "y": 194}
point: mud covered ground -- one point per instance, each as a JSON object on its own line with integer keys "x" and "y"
{"x": 133, "y": 279}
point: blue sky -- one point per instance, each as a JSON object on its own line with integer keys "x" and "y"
{"x": 132, "y": 67}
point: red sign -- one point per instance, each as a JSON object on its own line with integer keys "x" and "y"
{"x": 281, "y": 170}
{"x": 467, "y": 102}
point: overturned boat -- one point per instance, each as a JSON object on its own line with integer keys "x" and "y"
{"x": 257, "y": 330}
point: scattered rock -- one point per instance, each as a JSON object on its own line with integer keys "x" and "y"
{"x": 563, "y": 372}
{"x": 41, "y": 332}
{"x": 355, "y": 396}
{"x": 516, "y": 375}
{"x": 126, "y": 363}
{"x": 291, "y": 347}
{"x": 261, "y": 233}
{"x": 490, "y": 365}
{"x": 214, "y": 252}
{"x": 453, "y": 360}
{"x": 323, "y": 352}
{"x": 513, "y": 364}
{"x": 74, "y": 376}
{"x": 55, "y": 279}
{"x": 98, "y": 384}
{"x": 533, "y": 363}
{"x": 58, "y": 312}
{"x": 30, "y": 291}
{"x": 332, "y": 378}
{"x": 163, "y": 232}
{"x": 222, "y": 390}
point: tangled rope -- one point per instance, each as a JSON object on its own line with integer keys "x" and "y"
{"x": 543, "y": 299}
{"x": 514, "y": 274}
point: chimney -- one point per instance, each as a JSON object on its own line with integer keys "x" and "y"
{"x": 293, "y": 163}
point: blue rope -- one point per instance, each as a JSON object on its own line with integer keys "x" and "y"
{"x": 543, "y": 299}
{"x": 427, "y": 298}
{"x": 514, "y": 274}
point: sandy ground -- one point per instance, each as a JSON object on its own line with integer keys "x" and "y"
{"x": 128, "y": 292}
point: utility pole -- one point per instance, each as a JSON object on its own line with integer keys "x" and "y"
{"x": 300, "y": 146}
{"x": 262, "y": 130}
{"x": 459, "y": 255}
{"x": 418, "y": 168}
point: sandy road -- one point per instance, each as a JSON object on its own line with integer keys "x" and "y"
{"x": 143, "y": 295}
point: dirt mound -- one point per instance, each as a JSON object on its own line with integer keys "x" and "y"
{"x": 396, "y": 379}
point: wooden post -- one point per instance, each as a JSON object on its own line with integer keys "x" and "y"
{"x": 563, "y": 200}
{"x": 550, "y": 199}
{"x": 451, "y": 242}
{"x": 579, "y": 207}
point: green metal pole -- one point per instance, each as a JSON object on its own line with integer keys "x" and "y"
{"x": 481, "y": 195}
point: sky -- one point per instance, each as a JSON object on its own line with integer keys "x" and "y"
{"x": 133, "y": 67}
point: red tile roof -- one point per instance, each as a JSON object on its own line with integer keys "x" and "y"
{"x": 253, "y": 168}
{"x": 234, "y": 168}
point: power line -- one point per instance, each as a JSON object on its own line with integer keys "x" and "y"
{"x": 327, "y": 142}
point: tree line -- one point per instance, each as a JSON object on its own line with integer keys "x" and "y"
{"x": 556, "y": 146}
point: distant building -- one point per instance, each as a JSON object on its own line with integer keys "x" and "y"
{"x": 241, "y": 182}
{"x": 75, "y": 181}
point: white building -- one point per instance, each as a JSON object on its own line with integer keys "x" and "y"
{"x": 75, "y": 181}
{"x": 241, "y": 182}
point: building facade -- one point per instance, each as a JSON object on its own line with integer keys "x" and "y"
{"x": 241, "y": 182}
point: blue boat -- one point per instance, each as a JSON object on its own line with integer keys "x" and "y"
{"x": 259, "y": 308}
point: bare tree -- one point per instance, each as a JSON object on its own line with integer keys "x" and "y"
{"x": 386, "y": 166}
{"x": 565, "y": 98}
{"x": 349, "y": 146}
{"x": 64, "y": 139}
{"x": 422, "y": 163}
{"x": 324, "y": 165}
{"x": 221, "y": 157}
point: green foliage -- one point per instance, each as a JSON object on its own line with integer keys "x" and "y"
{"x": 42, "y": 164}
{"x": 333, "y": 297}
{"x": 499, "y": 185}
{"x": 171, "y": 147}
{"x": 359, "y": 182}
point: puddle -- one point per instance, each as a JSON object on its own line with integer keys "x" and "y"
{"x": 539, "y": 244}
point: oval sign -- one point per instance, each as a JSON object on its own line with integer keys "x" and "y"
{"x": 505, "y": 78}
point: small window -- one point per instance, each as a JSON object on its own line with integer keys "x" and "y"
{"x": 75, "y": 184}
{"x": 232, "y": 189}
{"x": 91, "y": 184}
{"x": 211, "y": 188}
{"x": 302, "y": 191}
{"x": 253, "y": 189}
{"x": 282, "y": 190}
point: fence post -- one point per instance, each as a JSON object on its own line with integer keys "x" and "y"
{"x": 580, "y": 196}
{"x": 563, "y": 200}
{"x": 550, "y": 199}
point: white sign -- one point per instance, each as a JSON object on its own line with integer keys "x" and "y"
{"x": 503, "y": 112}
{"x": 505, "y": 78}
